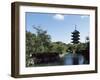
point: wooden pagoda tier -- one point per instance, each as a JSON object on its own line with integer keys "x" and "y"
{"x": 75, "y": 39}
{"x": 75, "y": 35}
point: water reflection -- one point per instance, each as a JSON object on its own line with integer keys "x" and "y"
{"x": 73, "y": 59}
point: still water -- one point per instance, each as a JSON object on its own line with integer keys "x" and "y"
{"x": 73, "y": 59}
{"x": 67, "y": 59}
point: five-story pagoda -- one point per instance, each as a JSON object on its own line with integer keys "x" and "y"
{"x": 75, "y": 36}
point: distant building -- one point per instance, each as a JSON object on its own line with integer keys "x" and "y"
{"x": 75, "y": 36}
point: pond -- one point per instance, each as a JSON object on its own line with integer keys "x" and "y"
{"x": 73, "y": 59}
{"x": 54, "y": 60}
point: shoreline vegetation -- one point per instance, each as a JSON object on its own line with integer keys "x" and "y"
{"x": 41, "y": 51}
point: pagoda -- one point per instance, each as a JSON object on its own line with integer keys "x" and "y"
{"x": 75, "y": 36}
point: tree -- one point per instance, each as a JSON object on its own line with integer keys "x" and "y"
{"x": 43, "y": 40}
{"x": 30, "y": 43}
{"x": 38, "y": 42}
{"x": 87, "y": 39}
{"x": 30, "y": 46}
{"x": 59, "y": 47}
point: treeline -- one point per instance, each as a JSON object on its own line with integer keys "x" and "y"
{"x": 40, "y": 42}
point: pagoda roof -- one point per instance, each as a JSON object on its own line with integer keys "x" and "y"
{"x": 75, "y": 31}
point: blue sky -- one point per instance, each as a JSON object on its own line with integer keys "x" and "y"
{"x": 59, "y": 26}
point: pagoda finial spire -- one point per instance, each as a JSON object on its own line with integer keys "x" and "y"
{"x": 75, "y": 27}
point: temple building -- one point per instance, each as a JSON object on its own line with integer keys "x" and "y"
{"x": 75, "y": 36}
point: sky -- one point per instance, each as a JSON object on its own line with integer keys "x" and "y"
{"x": 59, "y": 26}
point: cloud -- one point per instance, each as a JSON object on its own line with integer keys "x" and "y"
{"x": 82, "y": 17}
{"x": 58, "y": 17}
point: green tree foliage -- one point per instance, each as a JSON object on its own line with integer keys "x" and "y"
{"x": 43, "y": 40}
{"x": 78, "y": 47}
{"x": 40, "y": 42}
{"x": 30, "y": 43}
{"x": 59, "y": 47}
